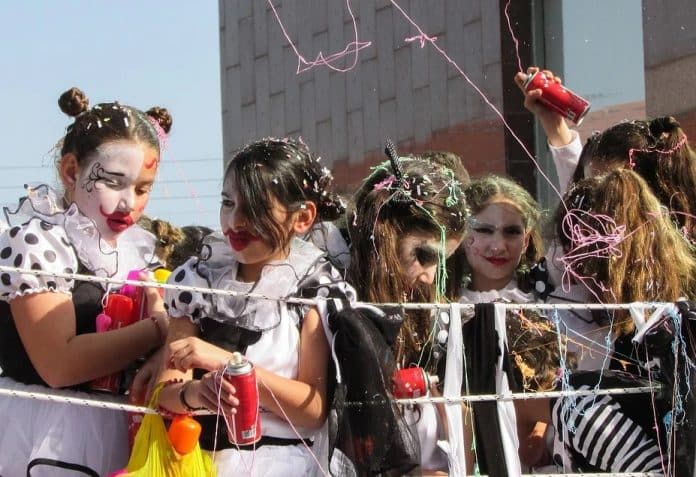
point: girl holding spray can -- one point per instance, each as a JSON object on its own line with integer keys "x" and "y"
{"x": 408, "y": 218}
{"x": 273, "y": 191}
{"x": 107, "y": 165}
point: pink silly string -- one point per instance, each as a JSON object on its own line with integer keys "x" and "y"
{"x": 667, "y": 152}
{"x": 385, "y": 184}
{"x": 248, "y": 468}
{"x": 294, "y": 429}
{"x": 514, "y": 38}
{"x": 421, "y": 38}
{"x": 161, "y": 134}
{"x": 589, "y": 242}
{"x": 190, "y": 189}
{"x": 352, "y": 48}
{"x": 424, "y": 38}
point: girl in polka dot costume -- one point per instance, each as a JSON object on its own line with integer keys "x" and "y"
{"x": 273, "y": 191}
{"x": 108, "y": 161}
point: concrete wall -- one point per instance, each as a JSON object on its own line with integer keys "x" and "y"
{"x": 397, "y": 90}
{"x": 669, "y": 29}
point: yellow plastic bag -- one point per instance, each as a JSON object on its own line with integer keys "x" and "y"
{"x": 154, "y": 456}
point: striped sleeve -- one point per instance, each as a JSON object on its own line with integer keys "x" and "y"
{"x": 596, "y": 430}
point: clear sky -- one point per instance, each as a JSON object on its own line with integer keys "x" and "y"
{"x": 141, "y": 53}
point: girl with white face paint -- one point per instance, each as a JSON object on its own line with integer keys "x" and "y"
{"x": 108, "y": 162}
{"x": 409, "y": 217}
{"x": 502, "y": 242}
{"x": 272, "y": 192}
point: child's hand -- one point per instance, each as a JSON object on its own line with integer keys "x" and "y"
{"x": 145, "y": 379}
{"x": 213, "y": 389}
{"x": 554, "y": 124}
{"x": 153, "y": 298}
{"x": 190, "y": 353}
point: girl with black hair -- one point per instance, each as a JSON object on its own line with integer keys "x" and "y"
{"x": 273, "y": 191}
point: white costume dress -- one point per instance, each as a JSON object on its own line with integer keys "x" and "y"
{"x": 41, "y": 438}
{"x": 267, "y": 332}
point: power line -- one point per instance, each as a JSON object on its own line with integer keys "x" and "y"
{"x": 190, "y": 196}
{"x": 165, "y": 161}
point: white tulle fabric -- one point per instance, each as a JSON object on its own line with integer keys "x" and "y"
{"x": 68, "y": 232}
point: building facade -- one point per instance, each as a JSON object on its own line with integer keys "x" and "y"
{"x": 283, "y": 75}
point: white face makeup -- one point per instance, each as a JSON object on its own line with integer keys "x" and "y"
{"x": 251, "y": 250}
{"x": 114, "y": 185}
{"x": 420, "y": 254}
{"x": 495, "y": 240}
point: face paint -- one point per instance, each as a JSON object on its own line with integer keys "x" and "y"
{"x": 114, "y": 186}
{"x": 495, "y": 240}
{"x": 420, "y": 254}
{"x": 251, "y": 250}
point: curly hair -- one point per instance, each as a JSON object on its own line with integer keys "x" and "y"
{"x": 635, "y": 254}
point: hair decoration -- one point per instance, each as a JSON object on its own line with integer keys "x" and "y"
{"x": 161, "y": 133}
{"x": 390, "y": 151}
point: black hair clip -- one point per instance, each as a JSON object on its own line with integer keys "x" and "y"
{"x": 390, "y": 151}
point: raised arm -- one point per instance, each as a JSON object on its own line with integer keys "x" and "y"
{"x": 564, "y": 142}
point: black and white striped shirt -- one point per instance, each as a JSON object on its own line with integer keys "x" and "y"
{"x": 603, "y": 434}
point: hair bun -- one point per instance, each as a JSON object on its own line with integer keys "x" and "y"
{"x": 162, "y": 116}
{"x": 73, "y": 102}
{"x": 665, "y": 124}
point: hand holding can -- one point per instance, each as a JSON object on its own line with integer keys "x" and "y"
{"x": 408, "y": 383}
{"x": 556, "y": 97}
{"x": 244, "y": 426}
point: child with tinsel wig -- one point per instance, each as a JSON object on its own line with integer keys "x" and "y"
{"x": 408, "y": 217}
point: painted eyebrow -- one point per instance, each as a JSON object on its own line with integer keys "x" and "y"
{"x": 112, "y": 173}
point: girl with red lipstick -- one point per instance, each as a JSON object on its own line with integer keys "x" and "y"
{"x": 107, "y": 164}
{"x": 501, "y": 244}
{"x": 273, "y": 190}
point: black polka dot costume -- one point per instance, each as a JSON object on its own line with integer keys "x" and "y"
{"x": 40, "y": 436}
{"x": 266, "y": 331}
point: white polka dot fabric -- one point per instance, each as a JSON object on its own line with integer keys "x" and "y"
{"x": 36, "y": 245}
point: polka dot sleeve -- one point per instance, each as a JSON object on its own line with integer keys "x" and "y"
{"x": 36, "y": 245}
{"x": 185, "y": 303}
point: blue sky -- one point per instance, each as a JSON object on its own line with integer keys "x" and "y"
{"x": 141, "y": 53}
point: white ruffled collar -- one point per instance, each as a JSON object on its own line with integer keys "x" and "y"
{"x": 135, "y": 247}
{"x": 279, "y": 279}
{"x": 510, "y": 294}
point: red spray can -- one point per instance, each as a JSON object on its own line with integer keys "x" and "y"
{"x": 244, "y": 427}
{"x": 413, "y": 382}
{"x": 558, "y": 98}
{"x": 118, "y": 312}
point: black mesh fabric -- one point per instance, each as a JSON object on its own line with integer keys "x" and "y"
{"x": 368, "y": 435}
{"x": 678, "y": 376}
{"x": 482, "y": 351}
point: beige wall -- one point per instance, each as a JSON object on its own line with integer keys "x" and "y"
{"x": 398, "y": 90}
{"x": 669, "y": 30}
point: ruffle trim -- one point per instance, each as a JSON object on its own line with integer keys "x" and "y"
{"x": 94, "y": 253}
{"x": 34, "y": 291}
